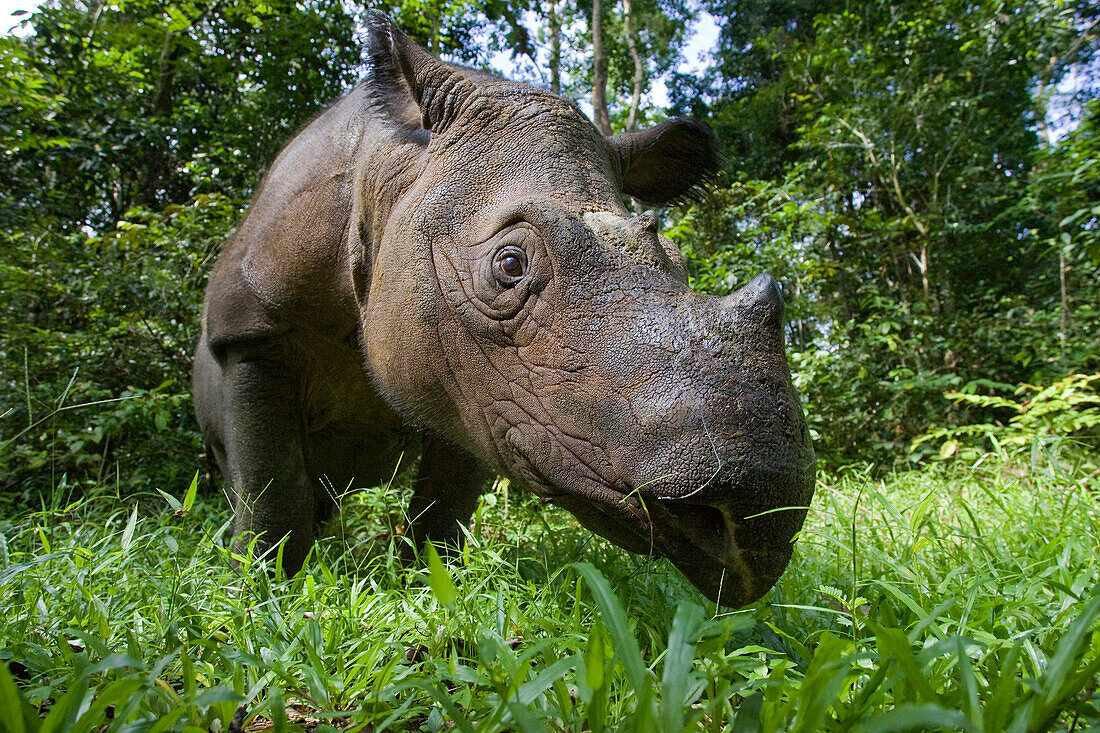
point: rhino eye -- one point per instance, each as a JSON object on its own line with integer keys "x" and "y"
{"x": 509, "y": 265}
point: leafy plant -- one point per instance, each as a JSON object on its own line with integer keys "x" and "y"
{"x": 1045, "y": 423}
{"x": 99, "y": 331}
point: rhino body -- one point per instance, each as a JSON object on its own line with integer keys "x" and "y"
{"x": 442, "y": 262}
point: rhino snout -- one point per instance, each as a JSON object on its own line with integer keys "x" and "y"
{"x": 735, "y": 547}
{"x": 720, "y": 448}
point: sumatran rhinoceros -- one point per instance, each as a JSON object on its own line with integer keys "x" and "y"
{"x": 443, "y": 262}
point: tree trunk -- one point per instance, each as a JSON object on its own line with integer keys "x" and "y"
{"x": 156, "y": 170}
{"x": 554, "y": 20}
{"x": 599, "y": 71}
{"x": 639, "y": 67}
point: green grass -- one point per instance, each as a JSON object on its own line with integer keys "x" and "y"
{"x": 940, "y": 599}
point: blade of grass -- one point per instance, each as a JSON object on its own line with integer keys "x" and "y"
{"x": 440, "y": 580}
{"x": 16, "y": 712}
{"x": 679, "y": 659}
{"x": 618, "y": 628}
{"x": 928, "y": 716}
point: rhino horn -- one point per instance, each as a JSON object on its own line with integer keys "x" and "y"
{"x": 438, "y": 90}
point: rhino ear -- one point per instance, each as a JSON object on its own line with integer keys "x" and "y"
{"x": 405, "y": 69}
{"x": 666, "y": 162}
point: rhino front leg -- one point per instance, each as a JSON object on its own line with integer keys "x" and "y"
{"x": 445, "y": 494}
{"x": 264, "y": 463}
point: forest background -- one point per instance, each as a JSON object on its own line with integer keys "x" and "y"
{"x": 922, "y": 178}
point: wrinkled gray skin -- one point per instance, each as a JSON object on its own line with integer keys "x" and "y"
{"x": 443, "y": 261}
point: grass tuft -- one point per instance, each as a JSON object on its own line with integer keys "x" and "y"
{"x": 942, "y": 599}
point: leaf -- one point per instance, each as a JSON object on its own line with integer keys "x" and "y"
{"x": 192, "y": 492}
{"x": 221, "y": 693}
{"x": 679, "y": 660}
{"x": 442, "y": 585}
{"x": 1057, "y": 685}
{"x": 128, "y": 532}
{"x": 968, "y": 686}
{"x": 926, "y": 618}
{"x": 63, "y": 714}
{"x": 117, "y": 694}
{"x": 920, "y": 511}
{"x": 894, "y": 646}
{"x": 173, "y": 502}
{"x": 594, "y": 657}
{"x": 918, "y": 717}
{"x": 822, "y": 683}
{"x": 544, "y": 680}
{"x": 18, "y": 716}
{"x": 614, "y": 618}
{"x": 525, "y": 720}
{"x": 448, "y": 704}
{"x": 747, "y": 719}
{"x": 115, "y": 662}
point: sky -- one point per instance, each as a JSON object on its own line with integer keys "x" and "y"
{"x": 7, "y": 7}
{"x": 704, "y": 38}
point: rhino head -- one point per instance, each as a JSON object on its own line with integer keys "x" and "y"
{"x": 512, "y": 304}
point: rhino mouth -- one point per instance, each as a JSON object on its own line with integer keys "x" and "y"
{"x": 722, "y": 555}
{"x": 617, "y": 515}
{"x": 701, "y": 541}
{"x": 732, "y": 560}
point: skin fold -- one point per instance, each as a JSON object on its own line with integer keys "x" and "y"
{"x": 442, "y": 262}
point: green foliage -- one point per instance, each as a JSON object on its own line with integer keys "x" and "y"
{"x": 147, "y": 103}
{"x": 99, "y": 331}
{"x": 1050, "y": 426}
{"x": 926, "y": 236}
{"x": 660, "y": 35}
{"x": 938, "y": 598}
{"x": 467, "y": 30}
{"x": 130, "y": 133}
{"x": 1068, "y": 185}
